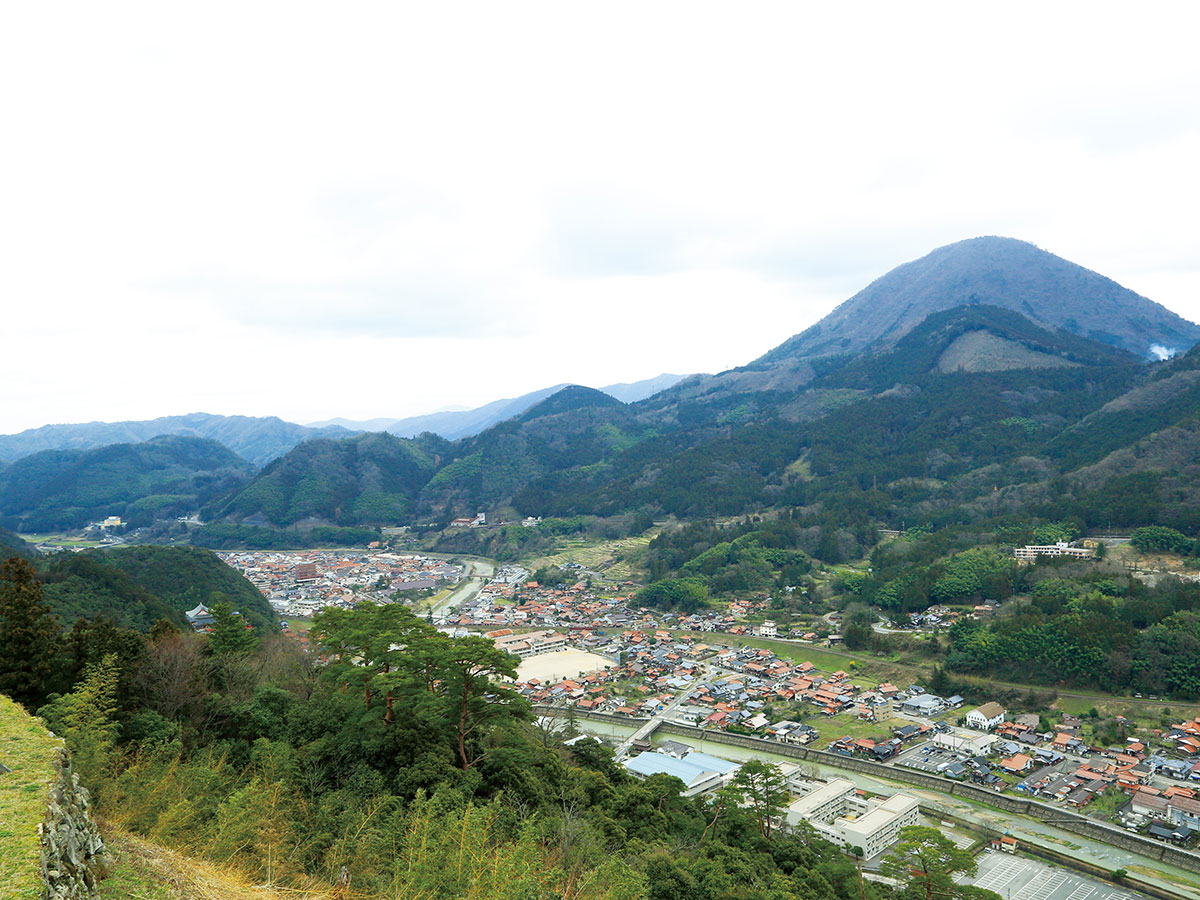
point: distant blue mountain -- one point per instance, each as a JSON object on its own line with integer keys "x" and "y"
{"x": 455, "y": 424}
{"x": 257, "y": 439}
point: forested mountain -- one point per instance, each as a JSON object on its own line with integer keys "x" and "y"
{"x": 162, "y": 477}
{"x": 949, "y": 388}
{"x": 972, "y": 400}
{"x": 893, "y": 421}
{"x": 186, "y": 576}
{"x": 360, "y": 480}
{"x": 455, "y": 424}
{"x": 135, "y": 587}
{"x": 1000, "y": 272}
{"x": 13, "y": 545}
{"x": 82, "y": 586}
{"x": 575, "y": 428}
{"x": 258, "y": 440}
{"x": 380, "y": 479}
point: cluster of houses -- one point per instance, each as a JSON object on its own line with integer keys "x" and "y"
{"x": 511, "y": 600}
{"x": 1186, "y": 737}
{"x": 303, "y": 582}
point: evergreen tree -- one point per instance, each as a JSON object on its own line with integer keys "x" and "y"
{"x": 231, "y": 634}
{"x": 86, "y": 718}
{"x": 28, "y": 634}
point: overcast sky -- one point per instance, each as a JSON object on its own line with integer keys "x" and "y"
{"x": 366, "y": 210}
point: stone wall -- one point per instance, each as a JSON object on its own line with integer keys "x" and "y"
{"x": 73, "y": 855}
{"x": 1066, "y": 819}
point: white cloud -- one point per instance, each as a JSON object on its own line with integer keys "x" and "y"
{"x": 383, "y": 209}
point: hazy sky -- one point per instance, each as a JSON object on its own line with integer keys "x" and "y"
{"x": 365, "y": 210}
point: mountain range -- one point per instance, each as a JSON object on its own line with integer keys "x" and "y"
{"x": 988, "y": 375}
{"x": 978, "y": 358}
{"x": 459, "y": 423}
{"x": 164, "y": 477}
{"x": 256, "y": 439}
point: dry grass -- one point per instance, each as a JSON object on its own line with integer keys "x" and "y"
{"x": 146, "y": 871}
{"x": 27, "y": 748}
{"x": 612, "y": 558}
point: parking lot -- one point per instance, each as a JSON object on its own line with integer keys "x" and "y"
{"x": 1017, "y": 878}
{"x": 926, "y": 757}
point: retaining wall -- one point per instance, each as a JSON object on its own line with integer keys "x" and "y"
{"x": 73, "y": 855}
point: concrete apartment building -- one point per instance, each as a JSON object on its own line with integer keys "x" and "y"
{"x": 838, "y": 814}
{"x": 1061, "y": 548}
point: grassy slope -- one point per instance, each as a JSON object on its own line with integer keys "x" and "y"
{"x": 146, "y": 871}
{"x": 614, "y": 558}
{"x": 27, "y": 748}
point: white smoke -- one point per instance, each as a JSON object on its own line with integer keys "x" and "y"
{"x": 1160, "y": 352}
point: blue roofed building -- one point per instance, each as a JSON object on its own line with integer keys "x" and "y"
{"x": 699, "y": 772}
{"x": 715, "y": 763}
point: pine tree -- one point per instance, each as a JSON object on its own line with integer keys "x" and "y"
{"x": 29, "y": 634}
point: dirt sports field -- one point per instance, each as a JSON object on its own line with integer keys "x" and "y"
{"x": 561, "y": 664}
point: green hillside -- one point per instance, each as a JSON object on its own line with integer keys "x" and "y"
{"x": 164, "y": 477}
{"x": 82, "y": 586}
{"x": 185, "y": 576}
{"x": 256, "y": 439}
{"x": 364, "y": 480}
{"x": 136, "y": 587}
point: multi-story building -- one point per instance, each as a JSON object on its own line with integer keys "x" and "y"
{"x": 837, "y": 813}
{"x": 1061, "y": 548}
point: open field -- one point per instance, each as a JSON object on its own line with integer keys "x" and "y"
{"x": 609, "y": 557}
{"x": 797, "y": 652}
{"x": 62, "y": 540}
{"x": 562, "y": 664}
{"x": 424, "y": 605}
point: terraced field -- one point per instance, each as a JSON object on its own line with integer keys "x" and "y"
{"x": 617, "y": 560}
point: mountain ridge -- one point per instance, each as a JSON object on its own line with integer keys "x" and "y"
{"x": 996, "y": 271}
{"x": 258, "y": 439}
{"x": 453, "y": 424}
{"x": 169, "y": 475}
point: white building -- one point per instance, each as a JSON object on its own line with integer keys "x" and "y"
{"x": 986, "y": 717}
{"x": 1061, "y": 548}
{"x": 767, "y": 629}
{"x": 965, "y": 742}
{"x": 878, "y": 828}
{"x": 823, "y": 804}
{"x": 838, "y": 814}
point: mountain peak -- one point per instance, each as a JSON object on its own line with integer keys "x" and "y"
{"x": 997, "y": 271}
{"x": 571, "y": 397}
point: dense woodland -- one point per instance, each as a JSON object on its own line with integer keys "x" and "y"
{"x": 401, "y": 760}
